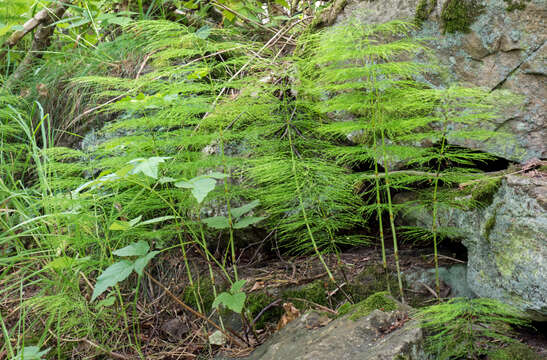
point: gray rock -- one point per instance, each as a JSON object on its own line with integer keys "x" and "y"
{"x": 368, "y": 338}
{"x": 455, "y": 277}
{"x": 503, "y": 50}
{"x": 506, "y": 243}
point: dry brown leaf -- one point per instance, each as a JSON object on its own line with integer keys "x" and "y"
{"x": 257, "y": 286}
{"x": 291, "y": 313}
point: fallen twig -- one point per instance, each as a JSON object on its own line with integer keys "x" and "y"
{"x": 198, "y": 314}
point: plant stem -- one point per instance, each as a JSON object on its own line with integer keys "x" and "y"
{"x": 301, "y": 202}
{"x": 377, "y": 186}
{"x": 392, "y": 222}
{"x": 228, "y": 207}
{"x": 434, "y": 218}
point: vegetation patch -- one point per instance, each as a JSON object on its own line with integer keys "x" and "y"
{"x": 256, "y": 303}
{"x": 463, "y": 328}
{"x": 485, "y": 189}
{"x": 459, "y": 15}
{"x": 378, "y": 301}
{"x": 513, "y": 5}
{"x": 423, "y": 10}
{"x": 515, "y": 351}
{"x": 313, "y": 293}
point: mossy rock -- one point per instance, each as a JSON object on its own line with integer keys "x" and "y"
{"x": 515, "y": 351}
{"x": 379, "y": 301}
{"x": 459, "y": 15}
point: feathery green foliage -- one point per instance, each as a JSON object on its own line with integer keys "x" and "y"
{"x": 468, "y": 328}
{"x": 171, "y": 105}
{"x": 395, "y": 119}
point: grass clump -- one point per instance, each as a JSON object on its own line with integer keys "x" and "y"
{"x": 459, "y": 15}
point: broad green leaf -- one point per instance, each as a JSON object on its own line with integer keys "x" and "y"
{"x": 236, "y": 302}
{"x": 202, "y": 187}
{"x": 111, "y": 276}
{"x": 220, "y": 299}
{"x": 157, "y": 220}
{"x": 248, "y": 221}
{"x": 135, "y": 221}
{"x": 141, "y": 263}
{"x": 217, "y": 175}
{"x": 166, "y": 179}
{"x": 199, "y": 74}
{"x": 148, "y": 167}
{"x": 217, "y": 222}
{"x": 242, "y": 210}
{"x": 185, "y": 184}
{"x": 139, "y": 248}
{"x": 233, "y": 302}
{"x": 237, "y": 286}
{"x": 119, "y": 226}
{"x": 31, "y": 353}
{"x": 109, "y": 301}
{"x": 203, "y": 32}
{"x": 120, "y": 20}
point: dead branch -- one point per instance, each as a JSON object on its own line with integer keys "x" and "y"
{"x": 28, "y": 26}
{"x": 41, "y": 41}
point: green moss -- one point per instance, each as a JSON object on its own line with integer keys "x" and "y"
{"x": 423, "y": 10}
{"x": 256, "y": 302}
{"x": 379, "y": 301}
{"x": 515, "y": 351}
{"x": 315, "y": 292}
{"x": 459, "y": 15}
{"x": 515, "y": 4}
{"x": 489, "y": 225}
{"x": 485, "y": 190}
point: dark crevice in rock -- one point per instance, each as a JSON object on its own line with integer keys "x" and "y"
{"x": 500, "y": 84}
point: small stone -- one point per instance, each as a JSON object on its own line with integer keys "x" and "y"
{"x": 175, "y": 329}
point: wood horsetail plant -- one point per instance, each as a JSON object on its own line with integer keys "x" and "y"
{"x": 368, "y": 76}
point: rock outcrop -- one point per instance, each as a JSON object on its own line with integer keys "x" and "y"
{"x": 377, "y": 336}
{"x": 506, "y": 243}
{"x": 500, "y": 49}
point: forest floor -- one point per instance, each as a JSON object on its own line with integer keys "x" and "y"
{"x": 168, "y": 332}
